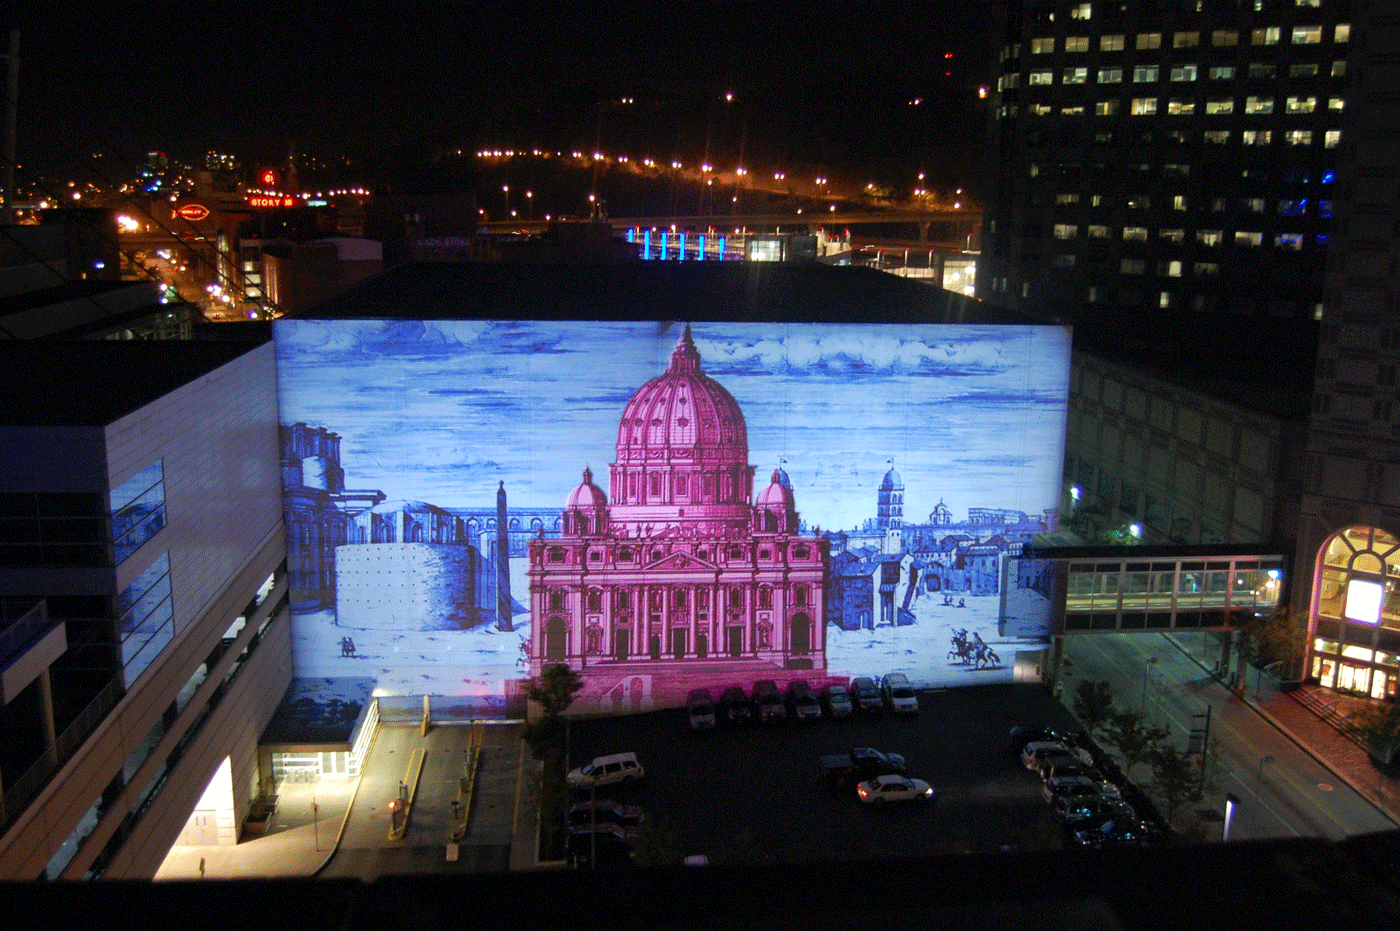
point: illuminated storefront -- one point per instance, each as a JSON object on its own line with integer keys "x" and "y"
{"x": 1354, "y": 633}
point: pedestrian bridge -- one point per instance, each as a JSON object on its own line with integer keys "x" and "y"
{"x": 1128, "y": 588}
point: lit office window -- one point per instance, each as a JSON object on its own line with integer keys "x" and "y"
{"x": 1183, "y": 73}
{"x": 1258, "y": 105}
{"x": 1179, "y": 202}
{"x": 1066, "y": 199}
{"x": 1292, "y": 206}
{"x": 1257, "y": 136}
{"x": 1246, "y": 238}
{"x": 1177, "y": 236}
{"x": 1144, "y": 106}
{"x": 1164, "y": 299}
{"x": 1332, "y": 138}
{"x": 1042, "y": 46}
{"x": 1222, "y": 72}
{"x": 1066, "y": 231}
{"x": 1219, "y": 106}
{"x": 1292, "y": 241}
{"x": 1181, "y": 107}
{"x": 1252, "y": 204}
{"x": 1307, "y": 35}
{"x": 1300, "y": 105}
{"x": 1343, "y": 33}
{"x": 1110, "y": 75}
{"x": 1039, "y": 109}
{"x": 1206, "y": 269}
{"x": 1262, "y": 71}
{"x": 1324, "y": 208}
{"x": 1135, "y": 233}
{"x": 1144, "y": 74}
{"x": 1076, "y": 110}
{"x": 1174, "y": 269}
{"x": 1224, "y": 37}
{"x": 1334, "y": 104}
{"x": 1339, "y": 69}
{"x": 1303, "y": 70}
{"x": 1009, "y": 80}
{"x": 138, "y": 510}
{"x": 1186, "y": 39}
{"x": 1269, "y": 35}
{"x": 1106, "y": 108}
{"x": 1081, "y": 11}
{"x": 1042, "y": 77}
{"x": 1314, "y": 4}
{"x": 1216, "y": 136}
{"x": 1075, "y": 76}
{"x": 1098, "y": 232}
{"x": 1111, "y": 43}
{"x": 1301, "y": 137}
{"x": 1210, "y": 237}
{"x": 1077, "y": 44}
{"x": 1149, "y": 40}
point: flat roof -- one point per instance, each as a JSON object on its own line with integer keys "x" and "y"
{"x": 690, "y": 291}
{"x": 94, "y": 382}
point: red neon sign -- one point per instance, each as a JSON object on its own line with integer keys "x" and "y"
{"x": 193, "y": 212}
{"x": 269, "y": 177}
{"x": 271, "y": 200}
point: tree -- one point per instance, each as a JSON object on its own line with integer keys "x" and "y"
{"x": 1093, "y": 703}
{"x": 1379, "y": 725}
{"x": 1134, "y": 739}
{"x": 554, "y": 689}
{"x": 1177, "y": 777}
{"x": 1273, "y": 638}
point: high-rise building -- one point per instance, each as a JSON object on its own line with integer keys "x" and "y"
{"x": 1163, "y": 154}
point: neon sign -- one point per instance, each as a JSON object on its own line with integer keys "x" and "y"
{"x": 269, "y": 177}
{"x": 271, "y": 200}
{"x": 193, "y": 212}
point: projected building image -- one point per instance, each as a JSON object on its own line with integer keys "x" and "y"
{"x": 447, "y": 534}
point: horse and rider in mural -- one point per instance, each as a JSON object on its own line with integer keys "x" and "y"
{"x": 973, "y": 651}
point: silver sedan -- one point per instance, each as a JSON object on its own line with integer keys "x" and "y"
{"x": 895, "y": 789}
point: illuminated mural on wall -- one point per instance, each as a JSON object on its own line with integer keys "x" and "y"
{"x": 664, "y": 507}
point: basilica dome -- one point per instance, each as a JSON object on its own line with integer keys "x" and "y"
{"x": 587, "y": 495}
{"x": 682, "y": 410}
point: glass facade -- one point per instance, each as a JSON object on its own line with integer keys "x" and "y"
{"x": 147, "y": 619}
{"x": 138, "y": 510}
{"x": 1355, "y": 617}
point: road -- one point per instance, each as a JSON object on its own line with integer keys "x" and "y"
{"x": 1284, "y": 791}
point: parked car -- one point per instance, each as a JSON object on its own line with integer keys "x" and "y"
{"x": 847, "y": 769}
{"x": 898, "y": 694}
{"x": 1042, "y": 752}
{"x": 866, "y": 695}
{"x": 1058, "y": 786}
{"x": 769, "y": 701}
{"x": 837, "y": 701}
{"x": 604, "y": 811}
{"x": 606, "y": 770}
{"x": 700, "y": 709}
{"x": 1128, "y": 832}
{"x": 895, "y": 789}
{"x": 1023, "y": 734}
{"x": 1070, "y": 763}
{"x": 804, "y": 701}
{"x": 736, "y": 705}
{"x": 612, "y": 845}
{"x": 1091, "y": 809}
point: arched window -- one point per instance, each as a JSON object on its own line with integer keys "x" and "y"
{"x": 1356, "y": 593}
{"x": 765, "y": 597}
{"x": 595, "y": 600}
{"x": 556, "y": 600}
{"x": 556, "y": 640}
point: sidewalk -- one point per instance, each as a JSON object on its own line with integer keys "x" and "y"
{"x": 300, "y": 841}
{"x": 1318, "y": 739}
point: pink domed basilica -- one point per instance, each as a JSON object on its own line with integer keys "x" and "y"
{"x": 684, "y": 580}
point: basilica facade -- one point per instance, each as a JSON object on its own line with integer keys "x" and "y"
{"x": 678, "y": 577}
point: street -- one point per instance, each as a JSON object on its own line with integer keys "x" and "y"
{"x": 1284, "y": 791}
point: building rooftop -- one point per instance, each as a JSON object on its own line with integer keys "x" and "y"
{"x": 94, "y": 382}
{"x": 654, "y": 291}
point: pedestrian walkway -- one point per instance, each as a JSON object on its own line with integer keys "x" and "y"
{"x": 1291, "y": 714}
{"x": 303, "y": 834}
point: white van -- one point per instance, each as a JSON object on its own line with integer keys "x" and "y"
{"x": 899, "y": 694}
{"x": 606, "y": 770}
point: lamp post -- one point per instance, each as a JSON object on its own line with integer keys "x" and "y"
{"x": 505, "y": 189}
{"x": 1258, "y": 799}
{"x": 530, "y": 199}
{"x": 1146, "y": 668}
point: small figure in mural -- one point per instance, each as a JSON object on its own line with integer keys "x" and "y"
{"x": 962, "y": 602}
{"x": 344, "y": 646}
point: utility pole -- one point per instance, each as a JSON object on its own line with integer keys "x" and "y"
{"x": 7, "y": 197}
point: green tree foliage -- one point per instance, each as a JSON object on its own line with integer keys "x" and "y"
{"x": 1093, "y": 703}
{"x": 1379, "y": 726}
{"x": 1274, "y": 638}
{"x": 1177, "y": 777}
{"x": 554, "y": 689}
{"x": 1129, "y": 733}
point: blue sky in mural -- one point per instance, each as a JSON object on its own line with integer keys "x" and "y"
{"x": 440, "y": 411}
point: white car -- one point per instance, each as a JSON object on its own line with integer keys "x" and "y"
{"x": 606, "y": 770}
{"x": 883, "y": 789}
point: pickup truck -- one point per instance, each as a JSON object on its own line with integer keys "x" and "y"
{"x": 845, "y": 770}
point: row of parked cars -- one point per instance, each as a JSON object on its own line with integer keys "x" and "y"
{"x": 602, "y": 831}
{"x": 1090, "y": 806}
{"x": 766, "y": 703}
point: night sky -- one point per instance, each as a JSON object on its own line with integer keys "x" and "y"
{"x": 822, "y": 84}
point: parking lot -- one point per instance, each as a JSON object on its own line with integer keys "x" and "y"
{"x": 756, "y": 792}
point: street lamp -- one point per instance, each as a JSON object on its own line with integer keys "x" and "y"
{"x": 530, "y": 199}
{"x": 1258, "y": 800}
{"x": 1146, "y": 668}
{"x": 505, "y": 189}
